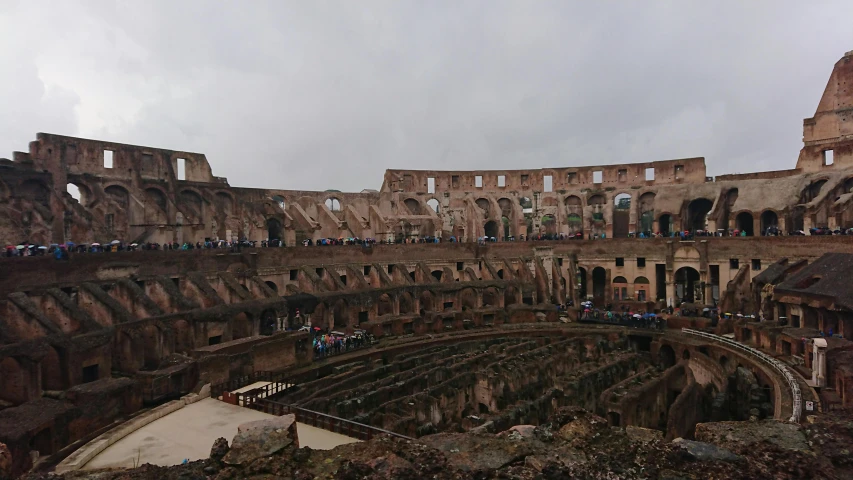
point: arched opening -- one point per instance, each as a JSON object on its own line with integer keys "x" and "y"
{"x": 647, "y": 213}
{"x": 505, "y": 223}
{"x": 574, "y": 214}
{"x": 152, "y": 347}
{"x": 407, "y": 304}
{"x": 224, "y": 203}
{"x": 621, "y": 215}
{"x": 119, "y": 195}
{"x": 385, "y": 307}
{"x": 12, "y": 381}
{"x": 549, "y": 225}
{"x": 51, "y": 371}
{"x": 183, "y": 336}
{"x": 484, "y": 205}
{"x": 468, "y": 299}
{"x": 620, "y": 289}
{"x": 340, "y": 315}
{"x": 501, "y": 274}
{"x": 279, "y": 200}
{"x": 697, "y": 214}
{"x": 273, "y": 229}
{"x": 433, "y": 204}
{"x": 333, "y": 204}
{"x": 666, "y": 356}
{"x": 77, "y": 193}
{"x": 155, "y": 206}
{"x": 491, "y": 229}
{"x": 599, "y": 281}
{"x": 685, "y": 355}
{"x": 510, "y": 296}
{"x": 426, "y": 301}
{"x": 769, "y": 222}
{"x": 744, "y": 223}
{"x": 687, "y": 284}
{"x": 437, "y": 274}
{"x": 641, "y": 289}
{"x": 413, "y": 206}
{"x": 527, "y": 211}
{"x": 665, "y": 224}
{"x": 490, "y": 297}
{"x": 268, "y": 322}
{"x": 724, "y": 362}
{"x": 582, "y": 292}
{"x": 812, "y": 191}
{"x": 191, "y": 204}
{"x": 614, "y": 419}
{"x": 272, "y": 285}
{"x": 241, "y": 326}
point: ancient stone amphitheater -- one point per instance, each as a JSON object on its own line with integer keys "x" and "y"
{"x": 470, "y": 334}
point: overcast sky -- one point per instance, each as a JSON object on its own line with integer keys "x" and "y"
{"x": 322, "y": 95}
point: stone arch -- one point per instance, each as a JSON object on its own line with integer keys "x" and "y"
{"x": 434, "y": 205}
{"x": 491, "y": 297}
{"x": 744, "y": 223}
{"x": 490, "y": 229}
{"x": 192, "y": 204}
{"x": 118, "y": 195}
{"x": 35, "y": 190}
{"x": 413, "y": 205}
{"x": 686, "y": 281}
{"x": 467, "y": 298}
{"x": 52, "y": 377}
{"x": 437, "y": 275}
{"x": 183, "y": 336}
{"x": 621, "y": 215}
{"x": 505, "y": 205}
{"x": 574, "y": 214}
{"x": 156, "y": 198}
{"x": 241, "y": 326}
{"x": 620, "y": 288}
{"x": 153, "y": 348}
{"x": 267, "y": 322}
{"x": 646, "y": 212}
{"x": 333, "y": 204}
{"x": 407, "y": 303}
{"x": 80, "y": 192}
{"x": 13, "y": 387}
{"x": 224, "y": 202}
{"x": 599, "y": 281}
{"x": 697, "y": 214}
{"x": 274, "y": 229}
{"x": 272, "y": 285}
{"x": 128, "y": 352}
{"x": 666, "y": 356}
{"x": 280, "y": 201}
{"x": 642, "y": 289}
{"x": 665, "y": 224}
{"x": 812, "y": 190}
{"x": 549, "y": 225}
{"x": 484, "y": 205}
{"x": 340, "y": 315}
{"x": 769, "y": 218}
{"x": 426, "y": 299}
{"x": 384, "y": 305}
{"x": 510, "y": 295}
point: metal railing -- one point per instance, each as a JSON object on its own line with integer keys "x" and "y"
{"x": 322, "y": 420}
{"x": 776, "y": 364}
{"x": 274, "y": 378}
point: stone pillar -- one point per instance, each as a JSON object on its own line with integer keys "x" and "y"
{"x": 670, "y": 290}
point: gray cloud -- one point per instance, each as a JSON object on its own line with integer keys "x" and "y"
{"x": 317, "y": 95}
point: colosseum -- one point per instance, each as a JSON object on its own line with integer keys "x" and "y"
{"x": 136, "y": 285}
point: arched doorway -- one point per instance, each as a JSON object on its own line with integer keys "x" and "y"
{"x": 641, "y": 288}
{"x": 574, "y": 214}
{"x": 621, "y": 215}
{"x": 666, "y": 356}
{"x": 768, "y": 219}
{"x": 620, "y": 289}
{"x": 647, "y": 212}
{"x": 12, "y": 382}
{"x": 687, "y": 284}
{"x": 491, "y": 229}
{"x": 269, "y": 320}
{"x": 697, "y": 214}
{"x": 744, "y": 223}
{"x": 505, "y": 223}
{"x": 599, "y": 281}
{"x": 665, "y": 224}
{"x": 582, "y": 283}
{"x": 549, "y": 225}
{"x": 274, "y": 229}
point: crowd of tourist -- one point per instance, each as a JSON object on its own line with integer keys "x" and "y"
{"x": 335, "y": 343}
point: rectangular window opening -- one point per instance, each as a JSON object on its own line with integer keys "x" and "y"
{"x": 548, "y": 183}
{"x": 756, "y": 264}
{"x": 572, "y": 178}
{"x": 478, "y": 181}
{"x": 90, "y": 373}
{"x": 828, "y": 157}
{"x": 293, "y": 274}
{"x": 641, "y": 262}
{"x": 622, "y": 175}
{"x": 108, "y": 159}
{"x": 650, "y": 174}
{"x": 367, "y": 269}
{"x": 454, "y": 181}
{"x": 182, "y": 169}
{"x": 734, "y": 264}
{"x": 620, "y": 261}
{"x": 430, "y": 185}
{"x": 597, "y": 176}
{"x": 501, "y": 180}
{"x": 215, "y": 340}
{"x": 460, "y": 266}
{"x": 524, "y": 179}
